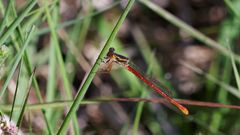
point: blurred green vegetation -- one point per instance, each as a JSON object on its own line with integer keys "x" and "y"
{"x": 189, "y": 46}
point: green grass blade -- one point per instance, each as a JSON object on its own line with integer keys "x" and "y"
{"x": 225, "y": 86}
{"x": 52, "y": 74}
{"x": 27, "y": 62}
{"x": 190, "y": 30}
{"x": 58, "y": 53}
{"x": 232, "y": 8}
{"x": 25, "y": 100}
{"x": 91, "y": 74}
{"x": 2, "y": 8}
{"x": 51, "y": 83}
{"x": 6, "y": 14}
{"x": 137, "y": 118}
{"x": 17, "y": 59}
{"x": 235, "y": 70}
{"x": 63, "y": 72}
{"x": 17, "y": 21}
{"x": 79, "y": 34}
{"x": 16, "y": 90}
{"x": 85, "y": 26}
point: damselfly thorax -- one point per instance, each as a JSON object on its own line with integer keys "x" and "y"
{"x": 112, "y": 58}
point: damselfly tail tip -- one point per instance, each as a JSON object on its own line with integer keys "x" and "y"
{"x": 185, "y": 111}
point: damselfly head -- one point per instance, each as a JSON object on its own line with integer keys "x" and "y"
{"x": 111, "y": 49}
{"x": 110, "y": 52}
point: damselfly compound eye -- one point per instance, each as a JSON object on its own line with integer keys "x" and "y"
{"x": 111, "y": 49}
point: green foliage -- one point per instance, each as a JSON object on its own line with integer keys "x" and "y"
{"x": 36, "y": 34}
{"x": 4, "y": 52}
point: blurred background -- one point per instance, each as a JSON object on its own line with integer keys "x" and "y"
{"x": 191, "y": 68}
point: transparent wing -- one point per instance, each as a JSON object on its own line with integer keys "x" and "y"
{"x": 153, "y": 80}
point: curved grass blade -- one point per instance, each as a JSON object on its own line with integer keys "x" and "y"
{"x": 88, "y": 79}
{"x": 17, "y": 60}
